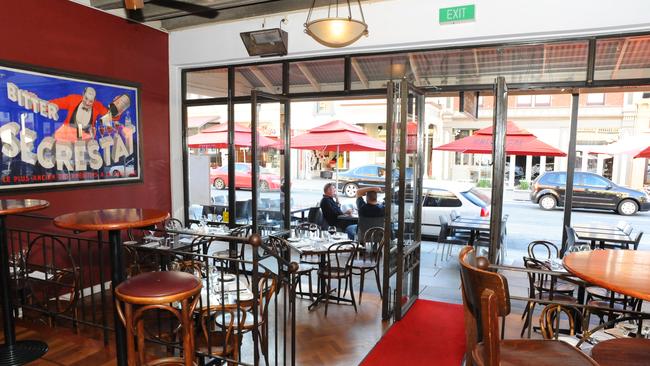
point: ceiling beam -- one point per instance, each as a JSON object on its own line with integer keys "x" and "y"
{"x": 357, "y": 69}
{"x": 248, "y": 10}
{"x": 310, "y": 77}
{"x": 262, "y": 78}
{"x": 621, "y": 56}
{"x": 414, "y": 67}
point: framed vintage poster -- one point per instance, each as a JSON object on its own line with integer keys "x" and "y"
{"x": 58, "y": 129}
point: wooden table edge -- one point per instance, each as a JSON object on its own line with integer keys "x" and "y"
{"x": 104, "y": 227}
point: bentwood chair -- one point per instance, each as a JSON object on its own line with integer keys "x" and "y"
{"x": 548, "y": 250}
{"x": 550, "y": 321}
{"x": 495, "y": 352}
{"x": 281, "y": 247}
{"x": 339, "y": 268}
{"x": 543, "y": 287}
{"x": 245, "y": 318}
{"x": 485, "y": 298}
{"x": 214, "y": 339}
{"x": 370, "y": 258}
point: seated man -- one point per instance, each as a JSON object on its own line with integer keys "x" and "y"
{"x": 330, "y": 206}
{"x": 368, "y": 208}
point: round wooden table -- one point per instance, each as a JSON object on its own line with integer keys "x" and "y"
{"x": 623, "y": 271}
{"x": 113, "y": 220}
{"x": 15, "y": 352}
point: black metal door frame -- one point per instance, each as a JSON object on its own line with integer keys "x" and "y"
{"x": 258, "y": 97}
{"x": 402, "y": 261}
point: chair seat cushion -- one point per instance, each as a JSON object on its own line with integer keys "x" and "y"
{"x": 622, "y": 351}
{"x": 536, "y": 352}
{"x": 153, "y": 287}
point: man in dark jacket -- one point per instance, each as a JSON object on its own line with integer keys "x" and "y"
{"x": 330, "y": 206}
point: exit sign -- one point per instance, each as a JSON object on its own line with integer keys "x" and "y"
{"x": 457, "y": 14}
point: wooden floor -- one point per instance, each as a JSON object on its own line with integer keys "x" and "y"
{"x": 65, "y": 347}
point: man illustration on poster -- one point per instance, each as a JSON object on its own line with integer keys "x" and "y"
{"x": 83, "y": 111}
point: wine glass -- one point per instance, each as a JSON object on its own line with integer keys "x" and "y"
{"x": 312, "y": 229}
{"x": 331, "y": 230}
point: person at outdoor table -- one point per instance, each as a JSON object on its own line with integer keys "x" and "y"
{"x": 368, "y": 208}
{"x": 331, "y": 207}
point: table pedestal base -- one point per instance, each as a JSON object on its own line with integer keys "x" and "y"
{"x": 22, "y": 352}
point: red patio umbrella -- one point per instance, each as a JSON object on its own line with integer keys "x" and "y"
{"x": 518, "y": 142}
{"x": 337, "y": 136}
{"x": 645, "y": 153}
{"x": 217, "y": 138}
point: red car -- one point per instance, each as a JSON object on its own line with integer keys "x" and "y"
{"x": 243, "y": 173}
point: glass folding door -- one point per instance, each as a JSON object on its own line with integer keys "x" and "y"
{"x": 402, "y": 236}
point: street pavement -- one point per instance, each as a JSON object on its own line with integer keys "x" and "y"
{"x": 526, "y": 221}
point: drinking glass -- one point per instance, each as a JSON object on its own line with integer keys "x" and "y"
{"x": 312, "y": 229}
{"x": 331, "y": 230}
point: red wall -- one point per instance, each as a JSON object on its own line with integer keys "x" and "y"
{"x": 71, "y": 37}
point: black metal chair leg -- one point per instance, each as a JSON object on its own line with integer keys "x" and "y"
{"x": 378, "y": 283}
{"x": 363, "y": 275}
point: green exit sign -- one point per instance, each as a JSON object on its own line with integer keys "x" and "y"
{"x": 457, "y": 14}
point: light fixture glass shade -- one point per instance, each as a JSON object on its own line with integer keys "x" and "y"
{"x": 336, "y": 32}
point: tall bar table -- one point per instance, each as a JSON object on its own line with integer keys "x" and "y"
{"x": 15, "y": 352}
{"x": 113, "y": 220}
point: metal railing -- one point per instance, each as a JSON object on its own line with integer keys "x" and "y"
{"x": 245, "y": 315}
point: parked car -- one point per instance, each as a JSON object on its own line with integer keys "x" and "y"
{"x": 589, "y": 191}
{"x": 243, "y": 178}
{"x": 440, "y": 198}
{"x": 365, "y": 176}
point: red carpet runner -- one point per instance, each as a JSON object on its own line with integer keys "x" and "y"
{"x": 431, "y": 333}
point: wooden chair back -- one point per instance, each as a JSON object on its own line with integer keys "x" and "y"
{"x": 339, "y": 258}
{"x": 549, "y": 321}
{"x": 374, "y": 239}
{"x": 490, "y": 324}
{"x": 368, "y": 223}
{"x": 475, "y": 278}
{"x": 536, "y": 281}
{"x": 549, "y": 250}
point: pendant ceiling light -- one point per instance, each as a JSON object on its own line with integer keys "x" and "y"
{"x": 336, "y": 30}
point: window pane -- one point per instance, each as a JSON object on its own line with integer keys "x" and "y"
{"x": 207, "y": 162}
{"x": 207, "y": 84}
{"x": 524, "y": 100}
{"x": 622, "y": 58}
{"x": 373, "y": 72}
{"x": 550, "y": 62}
{"x": 592, "y": 180}
{"x": 542, "y": 100}
{"x": 316, "y": 76}
{"x": 266, "y": 78}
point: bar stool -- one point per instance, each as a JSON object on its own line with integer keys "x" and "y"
{"x": 158, "y": 290}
